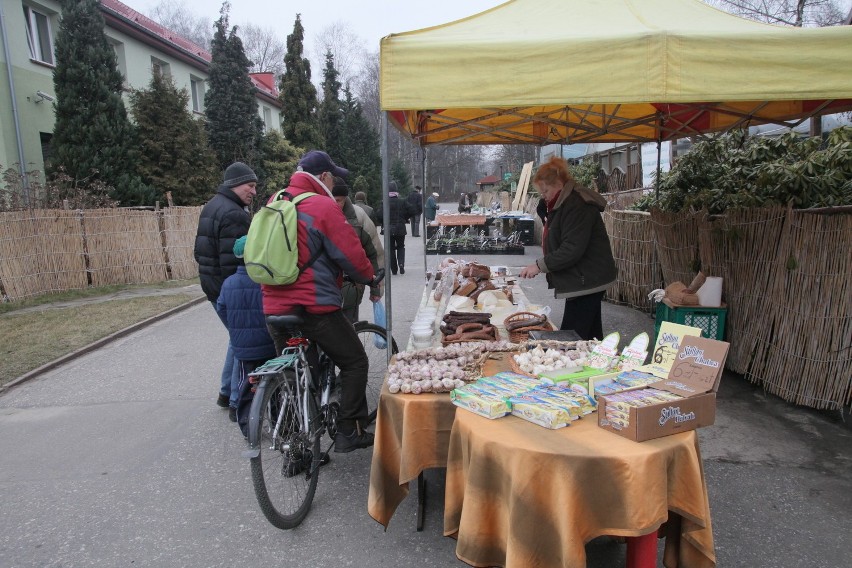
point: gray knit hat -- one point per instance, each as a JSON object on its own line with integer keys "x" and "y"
{"x": 237, "y": 174}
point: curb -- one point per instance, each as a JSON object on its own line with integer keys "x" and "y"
{"x": 100, "y": 343}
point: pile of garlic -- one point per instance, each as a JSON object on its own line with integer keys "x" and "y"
{"x": 439, "y": 369}
{"x": 538, "y": 360}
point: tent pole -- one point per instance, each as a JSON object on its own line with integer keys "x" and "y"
{"x": 423, "y": 200}
{"x": 386, "y": 229}
{"x": 657, "y": 180}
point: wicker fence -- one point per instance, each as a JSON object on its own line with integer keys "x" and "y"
{"x": 44, "y": 251}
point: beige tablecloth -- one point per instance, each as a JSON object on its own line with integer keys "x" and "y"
{"x": 459, "y": 220}
{"x": 518, "y": 495}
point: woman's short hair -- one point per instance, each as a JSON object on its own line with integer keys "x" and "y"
{"x": 553, "y": 172}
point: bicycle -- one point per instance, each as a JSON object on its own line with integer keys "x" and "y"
{"x": 291, "y": 411}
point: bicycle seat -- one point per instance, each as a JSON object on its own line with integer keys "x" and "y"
{"x": 286, "y": 322}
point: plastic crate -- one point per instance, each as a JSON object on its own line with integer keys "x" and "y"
{"x": 710, "y": 320}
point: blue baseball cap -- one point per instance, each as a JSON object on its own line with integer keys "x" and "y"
{"x": 316, "y": 162}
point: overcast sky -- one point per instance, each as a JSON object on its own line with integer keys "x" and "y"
{"x": 369, "y": 19}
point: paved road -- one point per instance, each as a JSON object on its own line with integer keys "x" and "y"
{"x": 122, "y": 458}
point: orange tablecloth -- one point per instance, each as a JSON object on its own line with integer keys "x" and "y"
{"x": 412, "y": 434}
{"x": 456, "y": 220}
{"x": 519, "y": 495}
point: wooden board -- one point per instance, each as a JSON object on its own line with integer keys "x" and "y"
{"x": 523, "y": 186}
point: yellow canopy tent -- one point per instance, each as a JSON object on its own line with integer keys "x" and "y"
{"x": 570, "y": 71}
{"x": 573, "y": 71}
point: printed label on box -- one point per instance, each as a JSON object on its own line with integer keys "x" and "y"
{"x": 666, "y": 347}
{"x": 697, "y": 367}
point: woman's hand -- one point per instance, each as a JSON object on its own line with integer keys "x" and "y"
{"x": 530, "y": 271}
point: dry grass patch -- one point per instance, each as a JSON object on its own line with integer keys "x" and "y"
{"x": 29, "y": 340}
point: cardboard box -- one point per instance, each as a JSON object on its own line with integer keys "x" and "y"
{"x": 694, "y": 375}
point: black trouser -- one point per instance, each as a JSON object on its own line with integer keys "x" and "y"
{"x": 352, "y": 294}
{"x": 415, "y": 225}
{"x": 583, "y": 315}
{"x": 337, "y": 338}
{"x": 397, "y": 257}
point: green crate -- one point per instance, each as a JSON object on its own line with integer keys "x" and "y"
{"x": 710, "y": 320}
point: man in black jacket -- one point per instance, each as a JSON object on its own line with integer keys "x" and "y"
{"x": 415, "y": 200}
{"x": 400, "y": 213}
{"x": 224, "y": 219}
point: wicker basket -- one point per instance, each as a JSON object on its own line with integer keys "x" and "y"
{"x": 517, "y": 368}
{"x": 520, "y": 334}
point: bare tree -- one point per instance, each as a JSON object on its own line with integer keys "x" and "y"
{"x": 799, "y": 13}
{"x": 173, "y": 15}
{"x": 265, "y": 50}
{"x": 347, "y": 48}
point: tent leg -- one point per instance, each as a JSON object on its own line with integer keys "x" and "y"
{"x": 385, "y": 226}
{"x": 423, "y": 215}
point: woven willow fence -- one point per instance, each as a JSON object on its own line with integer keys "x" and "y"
{"x": 788, "y": 287}
{"x": 45, "y": 251}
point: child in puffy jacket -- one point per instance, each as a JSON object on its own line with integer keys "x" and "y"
{"x": 240, "y": 306}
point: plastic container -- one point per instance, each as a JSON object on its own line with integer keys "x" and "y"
{"x": 710, "y": 320}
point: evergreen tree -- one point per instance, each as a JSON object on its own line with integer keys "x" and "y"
{"x": 278, "y": 161}
{"x": 93, "y": 140}
{"x": 175, "y": 157}
{"x": 359, "y": 144}
{"x": 400, "y": 174}
{"x": 234, "y": 129}
{"x": 298, "y": 95}
{"x": 329, "y": 111}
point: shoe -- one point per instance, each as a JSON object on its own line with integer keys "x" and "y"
{"x": 401, "y": 270}
{"x": 223, "y": 401}
{"x": 394, "y": 272}
{"x": 345, "y": 443}
{"x": 232, "y": 413}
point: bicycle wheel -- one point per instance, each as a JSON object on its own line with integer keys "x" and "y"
{"x": 369, "y": 333}
{"x": 286, "y": 459}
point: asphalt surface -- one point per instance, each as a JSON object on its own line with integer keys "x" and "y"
{"x": 121, "y": 458}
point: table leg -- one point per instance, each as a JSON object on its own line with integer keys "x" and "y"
{"x": 642, "y": 551}
{"x": 421, "y": 501}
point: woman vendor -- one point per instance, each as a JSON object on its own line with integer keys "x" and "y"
{"x": 577, "y": 257}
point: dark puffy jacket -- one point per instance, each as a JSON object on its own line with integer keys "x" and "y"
{"x": 240, "y": 306}
{"x": 415, "y": 199}
{"x": 577, "y": 255}
{"x": 223, "y": 220}
{"x": 400, "y": 213}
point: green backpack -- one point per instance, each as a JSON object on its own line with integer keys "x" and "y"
{"x": 272, "y": 245}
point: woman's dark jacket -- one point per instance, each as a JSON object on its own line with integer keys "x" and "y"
{"x": 400, "y": 213}
{"x": 223, "y": 220}
{"x": 577, "y": 256}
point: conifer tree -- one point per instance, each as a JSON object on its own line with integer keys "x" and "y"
{"x": 298, "y": 95}
{"x": 399, "y": 173}
{"x": 359, "y": 144}
{"x": 175, "y": 157}
{"x": 93, "y": 139}
{"x": 234, "y": 129}
{"x": 329, "y": 116}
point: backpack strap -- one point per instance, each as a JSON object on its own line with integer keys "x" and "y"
{"x": 296, "y": 200}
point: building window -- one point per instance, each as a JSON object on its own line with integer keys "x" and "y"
{"x": 196, "y": 86}
{"x": 39, "y": 39}
{"x": 267, "y": 119}
{"x": 160, "y": 67}
{"x": 120, "y": 58}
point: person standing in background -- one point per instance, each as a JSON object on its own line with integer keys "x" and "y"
{"x": 400, "y": 213}
{"x": 465, "y": 203}
{"x": 353, "y": 293}
{"x": 415, "y": 200}
{"x": 432, "y": 207}
{"x": 224, "y": 219}
{"x": 361, "y": 201}
{"x": 577, "y": 259}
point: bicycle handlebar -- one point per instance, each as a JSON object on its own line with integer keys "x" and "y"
{"x": 377, "y": 278}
